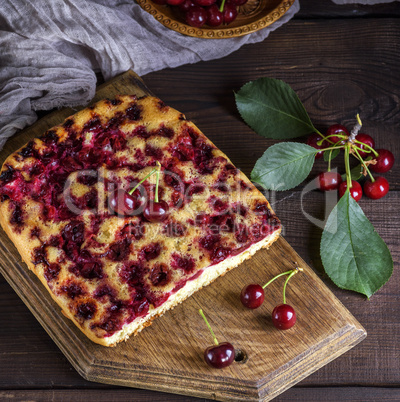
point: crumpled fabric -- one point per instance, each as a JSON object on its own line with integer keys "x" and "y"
{"x": 50, "y": 51}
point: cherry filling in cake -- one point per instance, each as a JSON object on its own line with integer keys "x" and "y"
{"x": 62, "y": 195}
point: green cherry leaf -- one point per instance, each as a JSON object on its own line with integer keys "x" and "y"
{"x": 334, "y": 153}
{"x": 353, "y": 254}
{"x": 273, "y": 110}
{"x": 356, "y": 172}
{"x": 284, "y": 165}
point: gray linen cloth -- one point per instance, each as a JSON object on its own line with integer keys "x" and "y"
{"x": 50, "y": 50}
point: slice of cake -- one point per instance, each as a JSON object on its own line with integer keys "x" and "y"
{"x": 112, "y": 273}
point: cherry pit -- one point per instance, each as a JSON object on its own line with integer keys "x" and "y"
{"x": 362, "y": 147}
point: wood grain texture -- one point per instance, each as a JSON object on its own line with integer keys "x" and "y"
{"x": 355, "y": 70}
{"x": 307, "y": 53}
{"x": 327, "y": 9}
{"x": 348, "y": 394}
{"x": 168, "y": 355}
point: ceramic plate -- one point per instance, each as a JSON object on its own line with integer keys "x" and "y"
{"x": 253, "y": 16}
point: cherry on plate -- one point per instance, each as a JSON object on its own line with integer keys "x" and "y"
{"x": 204, "y": 3}
{"x": 376, "y": 189}
{"x": 283, "y": 316}
{"x": 384, "y": 161}
{"x": 230, "y": 13}
{"x": 237, "y": 2}
{"x": 214, "y": 16}
{"x": 186, "y": 5}
{"x": 196, "y": 16}
{"x": 355, "y": 189}
{"x": 174, "y": 2}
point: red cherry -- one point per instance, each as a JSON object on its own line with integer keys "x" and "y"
{"x": 186, "y": 5}
{"x": 214, "y": 16}
{"x": 174, "y": 2}
{"x": 204, "y": 3}
{"x": 365, "y": 139}
{"x": 230, "y": 13}
{"x": 220, "y": 356}
{"x": 377, "y": 189}
{"x": 156, "y": 211}
{"x": 122, "y": 203}
{"x": 328, "y": 181}
{"x": 196, "y": 16}
{"x": 312, "y": 142}
{"x": 384, "y": 161}
{"x": 337, "y": 129}
{"x": 355, "y": 190}
{"x": 237, "y": 2}
{"x": 252, "y": 296}
{"x": 283, "y": 316}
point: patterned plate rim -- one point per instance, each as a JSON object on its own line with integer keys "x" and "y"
{"x": 216, "y": 33}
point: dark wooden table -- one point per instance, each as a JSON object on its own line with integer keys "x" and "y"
{"x": 341, "y": 60}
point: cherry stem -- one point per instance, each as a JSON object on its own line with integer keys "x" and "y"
{"x": 291, "y": 272}
{"x": 157, "y": 180}
{"x": 209, "y": 327}
{"x": 329, "y": 148}
{"x": 323, "y": 136}
{"x": 360, "y": 149}
{"x": 369, "y": 148}
{"x": 355, "y": 129}
{"x": 130, "y": 192}
{"x": 294, "y": 272}
{"x": 364, "y": 165}
{"x": 333, "y": 135}
{"x": 329, "y": 160}
{"x": 276, "y": 277}
{"x": 347, "y": 164}
{"x": 221, "y": 8}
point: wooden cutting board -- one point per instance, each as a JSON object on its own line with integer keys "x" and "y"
{"x": 168, "y": 356}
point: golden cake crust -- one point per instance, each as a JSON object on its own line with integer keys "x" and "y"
{"x": 112, "y": 275}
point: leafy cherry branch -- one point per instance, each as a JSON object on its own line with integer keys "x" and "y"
{"x": 353, "y": 254}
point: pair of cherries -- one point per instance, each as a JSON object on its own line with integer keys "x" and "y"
{"x": 363, "y": 146}
{"x": 125, "y": 203}
{"x": 283, "y": 315}
{"x": 252, "y": 296}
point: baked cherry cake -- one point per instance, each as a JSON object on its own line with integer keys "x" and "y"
{"x": 111, "y": 269}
